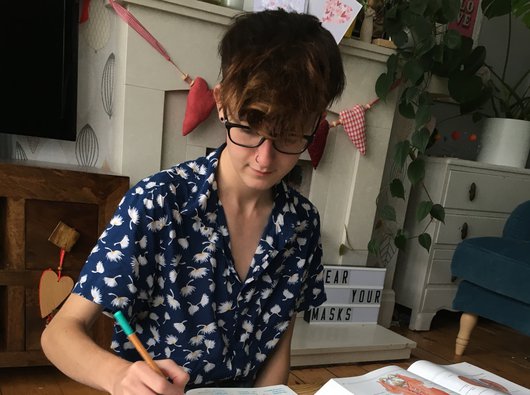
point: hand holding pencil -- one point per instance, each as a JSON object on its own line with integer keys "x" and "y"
{"x": 179, "y": 375}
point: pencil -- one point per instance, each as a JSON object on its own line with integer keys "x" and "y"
{"x": 120, "y": 318}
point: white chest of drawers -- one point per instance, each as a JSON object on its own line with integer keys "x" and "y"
{"x": 477, "y": 198}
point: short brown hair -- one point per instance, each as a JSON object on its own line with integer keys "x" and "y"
{"x": 279, "y": 69}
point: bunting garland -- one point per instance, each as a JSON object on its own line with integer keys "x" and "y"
{"x": 200, "y": 101}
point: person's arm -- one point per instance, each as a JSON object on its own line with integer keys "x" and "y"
{"x": 68, "y": 346}
{"x": 278, "y": 364}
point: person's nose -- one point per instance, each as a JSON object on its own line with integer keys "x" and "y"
{"x": 265, "y": 153}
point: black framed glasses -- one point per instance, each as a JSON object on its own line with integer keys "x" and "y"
{"x": 245, "y": 136}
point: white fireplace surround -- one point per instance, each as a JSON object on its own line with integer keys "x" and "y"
{"x": 150, "y": 103}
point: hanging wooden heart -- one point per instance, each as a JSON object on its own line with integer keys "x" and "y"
{"x": 53, "y": 291}
{"x": 199, "y": 105}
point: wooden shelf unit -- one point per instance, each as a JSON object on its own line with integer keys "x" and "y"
{"x": 34, "y": 197}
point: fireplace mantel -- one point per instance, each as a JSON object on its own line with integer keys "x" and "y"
{"x": 150, "y": 102}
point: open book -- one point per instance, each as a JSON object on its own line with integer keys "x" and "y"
{"x": 426, "y": 378}
{"x": 271, "y": 390}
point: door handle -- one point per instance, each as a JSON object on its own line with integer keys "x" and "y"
{"x": 463, "y": 231}
{"x": 472, "y": 191}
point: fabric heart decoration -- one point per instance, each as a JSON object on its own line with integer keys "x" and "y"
{"x": 199, "y": 105}
{"x": 53, "y": 291}
{"x": 317, "y": 146}
{"x": 354, "y": 124}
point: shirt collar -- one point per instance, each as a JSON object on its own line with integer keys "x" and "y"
{"x": 206, "y": 185}
{"x": 285, "y": 217}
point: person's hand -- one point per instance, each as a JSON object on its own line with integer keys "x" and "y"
{"x": 139, "y": 379}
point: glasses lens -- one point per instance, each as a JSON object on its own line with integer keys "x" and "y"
{"x": 247, "y": 137}
{"x": 291, "y": 144}
{"x": 244, "y": 136}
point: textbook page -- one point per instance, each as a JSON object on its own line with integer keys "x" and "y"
{"x": 467, "y": 379}
{"x": 387, "y": 380}
{"x": 270, "y": 390}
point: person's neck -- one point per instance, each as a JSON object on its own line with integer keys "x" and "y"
{"x": 233, "y": 192}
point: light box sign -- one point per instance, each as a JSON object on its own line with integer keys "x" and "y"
{"x": 343, "y": 314}
{"x": 353, "y": 295}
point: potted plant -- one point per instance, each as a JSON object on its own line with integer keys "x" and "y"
{"x": 506, "y": 130}
{"x": 426, "y": 50}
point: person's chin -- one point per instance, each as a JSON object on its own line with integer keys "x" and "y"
{"x": 260, "y": 180}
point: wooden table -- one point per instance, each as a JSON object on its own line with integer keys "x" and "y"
{"x": 305, "y": 389}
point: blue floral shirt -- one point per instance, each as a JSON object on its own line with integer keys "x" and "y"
{"x": 165, "y": 261}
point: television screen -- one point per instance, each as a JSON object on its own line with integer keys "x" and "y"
{"x": 38, "y": 68}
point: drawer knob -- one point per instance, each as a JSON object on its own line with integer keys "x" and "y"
{"x": 472, "y": 191}
{"x": 463, "y": 231}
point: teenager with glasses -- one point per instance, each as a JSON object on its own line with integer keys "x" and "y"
{"x": 211, "y": 259}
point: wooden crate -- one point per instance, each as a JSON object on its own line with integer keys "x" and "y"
{"x": 34, "y": 197}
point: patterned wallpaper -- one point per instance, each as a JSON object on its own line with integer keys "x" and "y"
{"x": 96, "y": 83}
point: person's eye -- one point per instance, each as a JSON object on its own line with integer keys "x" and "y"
{"x": 249, "y": 131}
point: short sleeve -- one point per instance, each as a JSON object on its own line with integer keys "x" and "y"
{"x": 118, "y": 268}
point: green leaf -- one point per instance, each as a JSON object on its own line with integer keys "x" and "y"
{"x": 388, "y": 213}
{"x": 420, "y": 139}
{"x": 410, "y": 94}
{"x": 400, "y": 39}
{"x": 493, "y": 8}
{"x": 421, "y": 30}
{"x": 418, "y": 6}
{"x": 438, "y": 53}
{"x": 521, "y": 9}
{"x": 450, "y": 9}
{"x": 392, "y": 12}
{"x": 392, "y": 64}
{"x": 452, "y": 39}
{"x": 400, "y": 241}
{"x": 423, "y": 209}
{"x": 383, "y": 85}
{"x": 475, "y": 60}
{"x": 402, "y": 153}
{"x": 464, "y": 88}
{"x": 407, "y": 110}
{"x": 397, "y": 189}
{"x": 413, "y": 71}
{"x": 416, "y": 171}
{"x": 373, "y": 247}
{"x": 425, "y": 98}
{"x": 438, "y": 212}
{"x": 423, "y": 115}
{"x": 425, "y": 241}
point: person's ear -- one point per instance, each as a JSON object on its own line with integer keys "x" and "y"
{"x": 218, "y": 103}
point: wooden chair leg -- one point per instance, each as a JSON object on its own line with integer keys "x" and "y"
{"x": 467, "y": 324}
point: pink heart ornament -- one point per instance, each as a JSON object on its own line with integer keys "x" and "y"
{"x": 199, "y": 105}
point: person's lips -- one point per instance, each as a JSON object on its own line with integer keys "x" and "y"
{"x": 261, "y": 172}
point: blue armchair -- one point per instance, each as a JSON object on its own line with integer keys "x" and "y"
{"x": 495, "y": 278}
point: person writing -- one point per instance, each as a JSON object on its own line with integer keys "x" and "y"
{"x": 210, "y": 260}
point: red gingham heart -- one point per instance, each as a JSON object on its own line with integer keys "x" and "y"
{"x": 354, "y": 125}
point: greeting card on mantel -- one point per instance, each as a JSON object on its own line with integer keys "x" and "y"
{"x": 335, "y": 15}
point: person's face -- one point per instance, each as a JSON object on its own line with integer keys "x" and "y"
{"x": 258, "y": 159}
{"x": 260, "y": 167}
